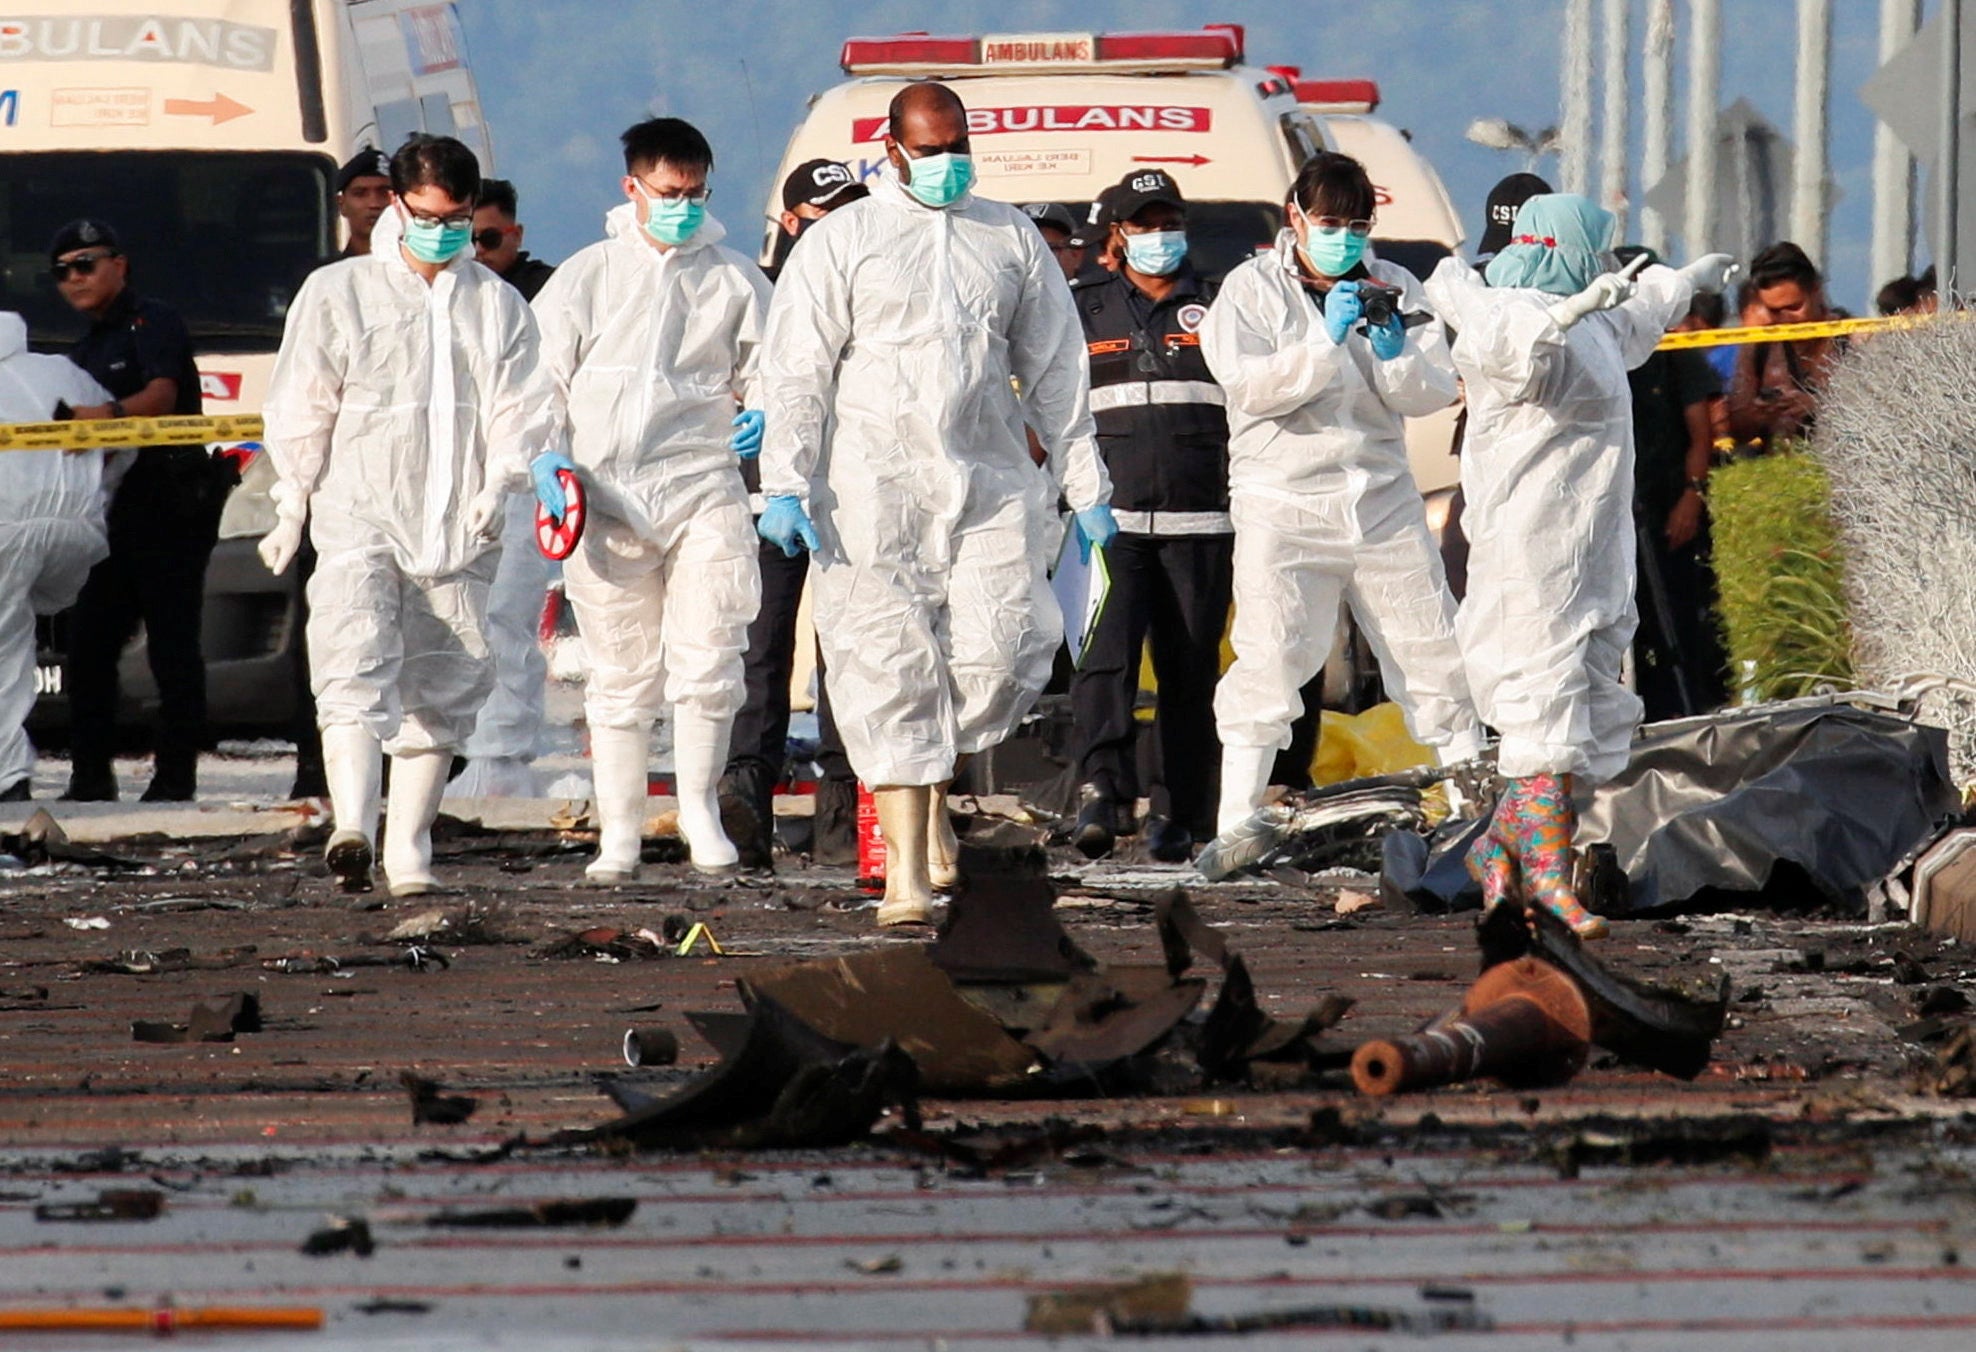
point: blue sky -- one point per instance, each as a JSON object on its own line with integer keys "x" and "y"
{"x": 560, "y": 78}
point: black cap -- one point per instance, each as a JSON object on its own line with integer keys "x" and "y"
{"x": 1053, "y": 214}
{"x": 1139, "y": 190}
{"x": 1099, "y": 219}
{"x": 370, "y": 162}
{"x": 1500, "y": 215}
{"x": 820, "y": 183}
{"x": 83, "y": 234}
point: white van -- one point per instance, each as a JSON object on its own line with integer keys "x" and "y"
{"x": 1058, "y": 117}
{"x": 209, "y": 132}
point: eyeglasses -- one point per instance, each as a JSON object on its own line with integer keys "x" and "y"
{"x": 81, "y": 267}
{"x": 1331, "y": 225}
{"x": 420, "y": 219}
{"x": 697, "y": 198}
{"x": 490, "y": 239}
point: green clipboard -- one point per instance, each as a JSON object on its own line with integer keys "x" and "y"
{"x": 1082, "y": 588}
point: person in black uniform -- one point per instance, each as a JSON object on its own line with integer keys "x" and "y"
{"x": 497, "y": 233}
{"x": 1164, "y": 435}
{"x": 759, "y": 744}
{"x": 163, "y": 521}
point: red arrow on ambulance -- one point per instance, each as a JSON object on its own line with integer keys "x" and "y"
{"x": 219, "y": 108}
{"x": 1196, "y": 160}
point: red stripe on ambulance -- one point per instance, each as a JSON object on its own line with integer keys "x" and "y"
{"x": 1070, "y": 117}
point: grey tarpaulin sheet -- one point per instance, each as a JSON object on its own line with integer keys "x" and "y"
{"x": 1789, "y": 805}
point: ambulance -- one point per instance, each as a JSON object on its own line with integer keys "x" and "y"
{"x": 1058, "y": 117}
{"x": 209, "y": 132}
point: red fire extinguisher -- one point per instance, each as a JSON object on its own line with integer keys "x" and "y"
{"x": 871, "y": 843}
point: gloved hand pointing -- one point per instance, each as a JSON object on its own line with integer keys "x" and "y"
{"x": 1342, "y": 309}
{"x": 548, "y": 488}
{"x": 786, "y": 525}
{"x": 1711, "y": 273}
{"x": 1094, "y": 526}
{"x": 1607, "y": 291}
{"x": 278, "y": 547}
{"x": 747, "y": 439}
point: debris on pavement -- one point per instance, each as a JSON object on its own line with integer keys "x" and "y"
{"x": 606, "y": 943}
{"x": 1680, "y": 1142}
{"x": 237, "y": 1013}
{"x": 343, "y": 1234}
{"x": 1099, "y": 1309}
{"x": 650, "y": 1047}
{"x": 1335, "y": 827}
{"x": 430, "y": 1107}
{"x": 111, "y": 1204}
{"x": 1523, "y": 1023}
{"x": 553, "y": 1215}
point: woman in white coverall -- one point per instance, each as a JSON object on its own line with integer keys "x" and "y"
{"x": 651, "y": 337}
{"x": 1323, "y": 503}
{"x": 1547, "y": 469}
{"x": 51, "y": 530}
{"x": 406, "y": 404}
{"x": 897, "y": 326}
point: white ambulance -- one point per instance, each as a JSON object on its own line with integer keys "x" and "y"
{"x": 1058, "y": 117}
{"x": 209, "y": 132}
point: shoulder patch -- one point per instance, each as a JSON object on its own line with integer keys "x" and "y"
{"x": 1191, "y": 315}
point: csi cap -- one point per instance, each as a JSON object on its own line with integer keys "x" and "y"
{"x": 370, "y": 162}
{"x": 1139, "y": 190}
{"x": 83, "y": 234}
{"x": 1500, "y": 215}
{"x": 820, "y": 183}
{"x": 1098, "y": 222}
{"x": 1053, "y": 214}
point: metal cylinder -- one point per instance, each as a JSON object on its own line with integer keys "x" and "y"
{"x": 1704, "y": 92}
{"x": 1656, "y": 85}
{"x": 1615, "y": 123}
{"x": 1893, "y": 162}
{"x": 1811, "y": 122}
{"x": 1575, "y": 99}
{"x": 650, "y": 1047}
{"x": 1524, "y": 1023}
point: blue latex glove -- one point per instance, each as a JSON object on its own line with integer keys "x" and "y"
{"x": 1342, "y": 309}
{"x": 747, "y": 440}
{"x": 548, "y": 488}
{"x": 1390, "y": 341}
{"x": 1094, "y": 526}
{"x": 786, "y": 525}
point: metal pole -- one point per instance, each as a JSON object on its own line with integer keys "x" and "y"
{"x": 1893, "y": 164}
{"x": 1617, "y": 36}
{"x": 1575, "y": 98}
{"x": 1814, "y": 87}
{"x": 1948, "y": 169}
{"x": 1657, "y": 77}
{"x": 1704, "y": 81}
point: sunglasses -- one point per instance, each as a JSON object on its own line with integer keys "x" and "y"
{"x": 81, "y": 267}
{"x": 490, "y": 239}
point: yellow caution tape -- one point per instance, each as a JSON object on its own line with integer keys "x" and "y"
{"x": 1798, "y": 333}
{"x": 116, "y": 433}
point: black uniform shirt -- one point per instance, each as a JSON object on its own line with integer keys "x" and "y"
{"x": 137, "y": 341}
{"x": 528, "y": 275}
{"x": 1161, "y": 422}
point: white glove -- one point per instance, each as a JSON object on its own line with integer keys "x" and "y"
{"x": 1711, "y": 273}
{"x": 488, "y": 515}
{"x": 1608, "y": 289}
{"x": 278, "y": 546}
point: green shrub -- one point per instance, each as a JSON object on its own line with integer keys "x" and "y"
{"x": 1780, "y": 576}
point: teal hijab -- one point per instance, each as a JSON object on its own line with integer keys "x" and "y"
{"x": 1557, "y": 245}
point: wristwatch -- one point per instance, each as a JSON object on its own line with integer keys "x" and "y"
{"x": 1700, "y": 486}
{"x": 117, "y": 409}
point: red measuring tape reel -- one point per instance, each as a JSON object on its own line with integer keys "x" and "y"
{"x": 557, "y": 536}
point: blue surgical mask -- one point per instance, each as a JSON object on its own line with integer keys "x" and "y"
{"x": 1157, "y": 253}
{"x": 672, "y": 220}
{"x": 1332, "y": 252}
{"x": 939, "y": 180}
{"x": 435, "y": 242}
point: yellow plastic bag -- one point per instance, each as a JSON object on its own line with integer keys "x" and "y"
{"x": 1376, "y": 742}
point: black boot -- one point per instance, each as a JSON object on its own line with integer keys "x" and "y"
{"x": 91, "y": 781}
{"x": 174, "y": 777}
{"x": 747, "y": 813}
{"x": 834, "y": 829}
{"x": 1167, "y": 840}
{"x": 1096, "y": 826}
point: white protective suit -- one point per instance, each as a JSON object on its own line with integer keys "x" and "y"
{"x": 894, "y": 336}
{"x": 1547, "y": 468}
{"x": 508, "y": 732}
{"x": 51, "y": 526}
{"x": 649, "y": 352}
{"x": 395, "y": 409}
{"x": 1325, "y": 507}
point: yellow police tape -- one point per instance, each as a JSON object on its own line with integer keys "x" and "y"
{"x": 1798, "y": 333}
{"x": 117, "y": 433}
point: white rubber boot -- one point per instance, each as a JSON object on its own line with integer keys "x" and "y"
{"x": 1244, "y": 777}
{"x": 353, "y": 763}
{"x": 418, "y": 781}
{"x": 943, "y": 847}
{"x": 619, "y": 774}
{"x": 903, "y": 820}
{"x": 699, "y": 753}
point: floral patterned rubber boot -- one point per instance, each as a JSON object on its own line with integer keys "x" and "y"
{"x": 1526, "y": 854}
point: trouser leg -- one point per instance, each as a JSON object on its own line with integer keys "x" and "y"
{"x": 104, "y": 618}
{"x": 1105, "y": 689}
{"x": 17, "y": 654}
{"x": 1189, "y": 611}
{"x": 761, "y": 725}
{"x": 1402, "y": 606}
